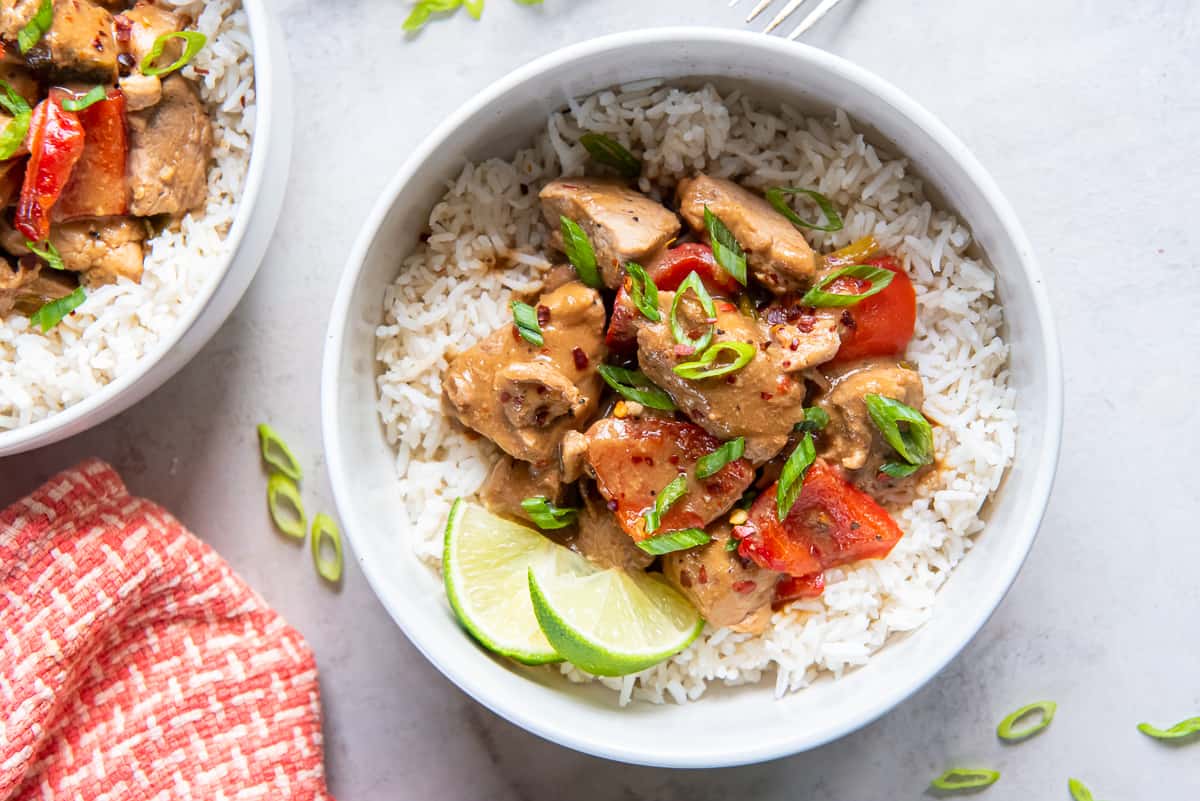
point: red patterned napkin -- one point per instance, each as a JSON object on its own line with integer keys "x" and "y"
{"x": 135, "y": 665}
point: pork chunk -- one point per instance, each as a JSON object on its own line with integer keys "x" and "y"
{"x": 801, "y": 337}
{"x": 24, "y": 289}
{"x": 103, "y": 250}
{"x": 622, "y": 225}
{"x": 78, "y": 47}
{"x": 777, "y": 254}
{"x": 169, "y": 148}
{"x": 601, "y": 539}
{"x": 511, "y": 482}
{"x": 726, "y": 589}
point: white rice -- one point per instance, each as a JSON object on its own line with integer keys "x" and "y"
{"x": 105, "y": 338}
{"x": 486, "y": 241}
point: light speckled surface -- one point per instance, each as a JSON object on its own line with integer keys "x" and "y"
{"x": 1087, "y": 114}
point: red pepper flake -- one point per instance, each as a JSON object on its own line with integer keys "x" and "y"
{"x": 505, "y": 397}
{"x": 123, "y": 26}
{"x": 848, "y": 319}
{"x": 684, "y": 350}
{"x": 581, "y": 359}
{"x": 740, "y": 533}
{"x": 765, "y": 395}
{"x": 685, "y": 579}
{"x": 543, "y": 314}
{"x": 673, "y": 459}
{"x": 703, "y": 575}
{"x": 744, "y": 587}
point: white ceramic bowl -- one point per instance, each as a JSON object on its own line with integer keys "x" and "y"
{"x": 727, "y": 726}
{"x": 257, "y": 213}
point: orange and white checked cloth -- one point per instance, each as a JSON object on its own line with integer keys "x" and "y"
{"x": 135, "y": 665}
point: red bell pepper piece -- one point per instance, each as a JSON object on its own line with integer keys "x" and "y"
{"x": 56, "y": 142}
{"x": 794, "y": 588}
{"x": 97, "y": 185}
{"x": 882, "y": 324}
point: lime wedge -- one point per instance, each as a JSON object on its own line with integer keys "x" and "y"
{"x": 609, "y": 622}
{"x": 485, "y": 565}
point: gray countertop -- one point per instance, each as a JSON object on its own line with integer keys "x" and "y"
{"x": 1088, "y": 114}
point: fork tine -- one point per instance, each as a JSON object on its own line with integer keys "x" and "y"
{"x": 813, "y": 18}
{"x": 783, "y": 14}
{"x": 758, "y": 9}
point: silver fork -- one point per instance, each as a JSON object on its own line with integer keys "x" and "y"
{"x": 792, "y": 6}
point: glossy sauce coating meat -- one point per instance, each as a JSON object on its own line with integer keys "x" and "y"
{"x": 726, "y": 589}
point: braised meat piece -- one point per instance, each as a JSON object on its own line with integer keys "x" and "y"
{"x": 600, "y": 538}
{"x": 778, "y": 255}
{"x": 511, "y": 482}
{"x": 622, "y": 225}
{"x": 726, "y": 589}
{"x": 104, "y": 250}
{"x": 25, "y": 289}
{"x": 524, "y": 397}
{"x": 139, "y": 27}
{"x": 801, "y": 337}
{"x": 169, "y": 148}
{"x": 79, "y": 46}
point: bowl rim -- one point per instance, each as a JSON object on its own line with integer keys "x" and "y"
{"x": 46, "y": 430}
{"x": 1023, "y": 533}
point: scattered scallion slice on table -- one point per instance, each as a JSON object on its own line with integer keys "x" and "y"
{"x": 285, "y": 506}
{"x": 55, "y": 311}
{"x": 635, "y": 386}
{"x": 47, "y": 253}
{"x": 1184, "y": 728}
{"x": 725, "y": 247}
{"x": 669, "y": 495}
{"x": 193, "y": 42}
{"x": 965, "y": 779}
{"x": 711, "y": 464}
{"x": 13, "y": 135}
{"x": 695, "y": 285}
{"x": 878, "y": 277}
{"x": 1079, "y": 791}
{"x": 94, "y": 96}
{"x": 607, "y": 151}
{"x": 913, "y": 441}
{"x": 815, "y": 419}
{"x": 643, "y": 291}
{"x": 1008, "y": 729}
{"x": 671, "y": 541}
{"x": 324, "y": 529}
{"x": 526, "y": 320}
{"x": 36, "y": 28}
{"x": 580, "y": 252}
{"x": 277, "y": 454}
{"x": 791, "y": 479}
{"x": 545, "y": 515}
{"x": 776, "y": 196}
{"x": 702, "y": 366}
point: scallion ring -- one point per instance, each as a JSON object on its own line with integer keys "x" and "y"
{"x": 193, "y": 41}
{"x": 324, "y": 528}
{"x": 815, "y": 419}
{"x": 693, "y": 283}
{"x": 669, "y": 495}
{"x": 611, "y": 153}
{"x": 277, "y": 454}
{"x": 1079, "y": 790}
{"x": 545, "y": 515}
{"x": 899, "y": 469}
{"x": 726, "y": 249}
{"x": 1184, "y": 728}
{"x": 94, "y": 96}
{"x": 671, "y": 541}
{"x": 13, "y": 135}
{"x": 711, "y": 464}
{"x": 47, "y": 253}
{"x": 701, "y": 367}
{"x": 776, "y": 197}
{"x": 1007, "y": 730}
{"x": 580, "y": 252}
{"x": 36, "y": 28}
{"x": 526, "y": 320}
{"x": 791, "y": 479}
{"x": 635, "y": 386}
{"x": 914, "y": 442}
{"x": 55, "y": 311}
{"x": 965, "y": 779}
{"x": 644, "y": 292}
{"x": 285, "y": 505}
{"x": 878, "y": 277}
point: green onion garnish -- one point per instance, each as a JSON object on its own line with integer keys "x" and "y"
{"x": 1079, "y": 791}
{"x": 878, "y": 277}
{"x": 791, "y": 480}
{"x": 36, "y": 28}
{"x": 192, "y": 42}
{"x": 47, "y": 253}
{"x": 670, "y": 493}
{"x": 644, "y": 292}
{"x": 474, "y": 8}
{"x": 732, "y": 544}
{"x": 726, "y": 249}
{"x": 693, "y": 283}
{"x": 711, "y": 464}
{"x": 13, "y": 135}
{"x": 324, "y": 528}
{"x": 277, "y": 454}
{"x": 546, "y": 515}
{"x": 53, "y": 312}
{"x": 94, "y": 96}
{"x": 898, "y": 469}
{"x": 526, "y": 320}
{"x": 670, "y": 541}
{"x": 1007, "y": 729}
{"x": 611, "y": 153}
{"x": 1184, "y": 728}
{"x": 701, "y": 366}
{"x": 915, "y": 442}
{"x": 833, "y": 221}
{"x": 965, "y": 779}
{"x": 635, "y": 386}
{"x": 580, "y": 252}
{"x": 815, "y": 419}
{"x": 287, "y": 510}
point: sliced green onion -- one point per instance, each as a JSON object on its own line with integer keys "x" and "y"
{"x": 746, "y": 306}
{"x": 1184, "y": 728}
{"x": 878, "y": 277}
{"x": 55, "y": 311}
{"x": 324, "y": 528}
{"x": 747, "y": 499}
{"x": 732, "y": 544}
{"x": 965, "y": 779}
{"x": 693, "y": 283}
{"x": 711, "y": 464}
{"x": 94, "y": 96}
{"x": 526, "y": 321}
{"x": 915, "y": 442}
{"x": 474, "y": 8}
{"x": 277, "y": 454}
{"x": 645, "y": 292}
{"x": 1079, "y": 791}
{"x": 546, "y": 515}
{"x": 670, "y": 493}
{"x": 13, "y": 135}
{"x": 725, "y": 247}
{"x": 791, "y": 480}
{"x": 898, "y": 469}
{"x": 833, "y": 221}
{"x": 36, "y": 28}
{"x": 285, "y": 505}
{"x": 47, "y": 253}
{"x": 192, "y": 42}
{"x": 635, "y": 386}
{"x": 701, "y": 366}
{"x": 1007, "y": 729}
{"x": 611, "y": 153}
{"x": 670, "y": 541}
{"x": 815, "y": 419}
{"x": 580, "y": 252}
